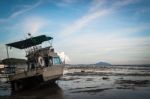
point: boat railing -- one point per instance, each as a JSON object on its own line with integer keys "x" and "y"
{"x": 39, "y": 50}
{"x": 33, "y": 49}
{"x": 11, "y": 70}
{"x": 20, "y": 70}
{"x": 5, "y": 72}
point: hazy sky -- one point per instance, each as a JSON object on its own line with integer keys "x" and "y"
{"x": 88, "y": 31}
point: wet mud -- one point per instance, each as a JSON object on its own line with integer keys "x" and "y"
{"x": 92, "y": 90}
{"x": 85, "y": 85}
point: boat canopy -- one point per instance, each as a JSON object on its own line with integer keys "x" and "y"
{"x": 30, "y": 42}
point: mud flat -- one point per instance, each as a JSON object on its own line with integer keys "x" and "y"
{"x": 90, "y": 85}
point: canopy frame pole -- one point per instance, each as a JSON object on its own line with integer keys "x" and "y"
{"x": 8, "y": 63}
{"x": 7, "y": 51}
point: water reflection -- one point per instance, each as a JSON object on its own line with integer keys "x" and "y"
{"x": 43, "y": 92}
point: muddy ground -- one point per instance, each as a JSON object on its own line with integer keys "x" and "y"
{"x": 86, "y": 86}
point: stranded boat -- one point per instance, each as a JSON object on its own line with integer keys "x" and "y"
{"x": 42, "y": 65}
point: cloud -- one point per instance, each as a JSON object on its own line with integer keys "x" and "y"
{"x": 33, "y": 24}
{"x": 97, "y": 4}
{"x": 121, "y": 3}
{"x": 69, "y": 1}
{"x": 83, "y": 21}
{"x": 13, "y": 52}
{"x": 27, "y": 8}
{"x": 63, "y": 57}
{"x": 65, "y": 3}
{"x": 95, "y": 11}
{"x": 114, "y": 47}
{"x": 22, "y": 11}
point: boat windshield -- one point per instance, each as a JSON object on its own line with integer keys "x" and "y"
{"x": 56, "y": 61}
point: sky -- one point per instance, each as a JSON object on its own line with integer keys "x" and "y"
{"x": 86, "y": 31}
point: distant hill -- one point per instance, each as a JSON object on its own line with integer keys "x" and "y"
{"x": 102, "y": 64}
{"x": 86, "y": 65}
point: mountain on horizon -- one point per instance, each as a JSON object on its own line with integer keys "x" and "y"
{"x": 96, "y": 64}
{"x": 102, "y": 64}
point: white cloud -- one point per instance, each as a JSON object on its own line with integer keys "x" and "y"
{"x": 64, "y": 3}
{"x": 113, "y": 47}
{"x": 89, "y": 48}
{"x": 27, "y": 8}
{"x": 69, "y": 1}
{"x": 13, "y": 52}
{"x": 83, "y": 21}
{"x": 19, "y": 12}
{"x": 33, "y": 24}
{"x": 121, "y": 3}
{"x": 97, "y": 4}
{"x": 95, "y": 11}
{"x": 64, "y": 57}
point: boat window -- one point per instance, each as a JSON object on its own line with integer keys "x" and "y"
{"x": 56, "y": 61}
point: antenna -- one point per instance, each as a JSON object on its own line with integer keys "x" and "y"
{"x": 29, "y": 34}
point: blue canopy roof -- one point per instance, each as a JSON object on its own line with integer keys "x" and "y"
{"x": 30, "y": 42}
